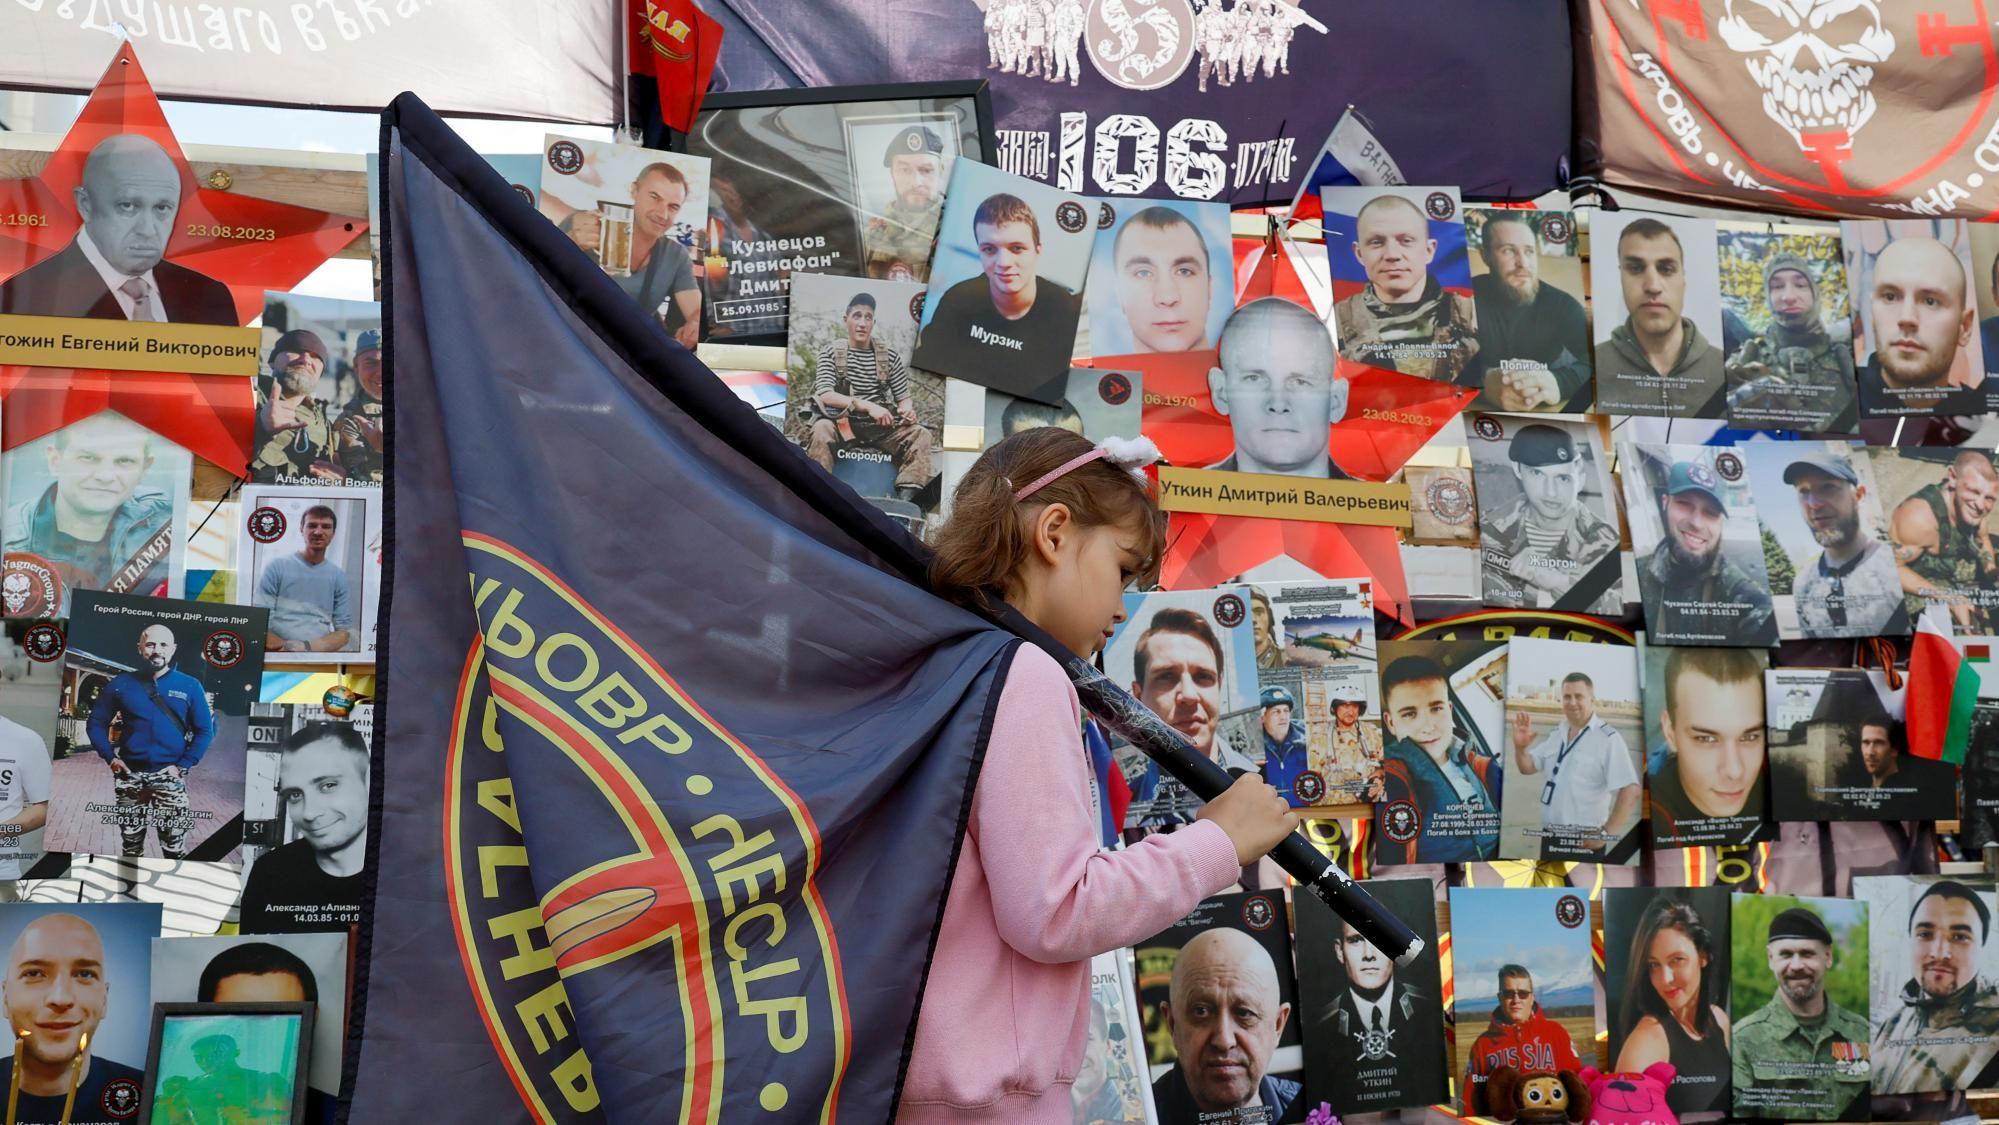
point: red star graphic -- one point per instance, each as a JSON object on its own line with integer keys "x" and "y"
{"x": 210, "y": 415}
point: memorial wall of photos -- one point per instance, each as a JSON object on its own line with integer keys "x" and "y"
{"x": 1650, "y": 796}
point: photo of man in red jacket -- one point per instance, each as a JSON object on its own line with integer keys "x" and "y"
{"x": 1520, "y": 1036}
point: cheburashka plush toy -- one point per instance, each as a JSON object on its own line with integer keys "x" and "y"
{"x": 1629, "y": 1098}
{"x": 1537, "y": 1097}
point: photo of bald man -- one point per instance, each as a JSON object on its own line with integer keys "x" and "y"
{"x": 1276, "y": 384}
{"x": 115, "y": 269}
{"x": 1919, "y": 315}
{"x": 1410, "y": 308}
{"x": 1227, "y": 1013}
{"x": 76, "y": 992}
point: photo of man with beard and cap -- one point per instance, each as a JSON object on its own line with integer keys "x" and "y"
{"x": 1939, "y": 506}
{"x": 1373, "y": 1029}
{"x": 1707, "y": 745}
{"x": 76, "y": 990}
{"x": 115, "y": 268}
{"x": 1443, "y": 704}
{"x": 1006, "y": 280}
{"x": 95, "y": 505}
{"x": 899, "y": 174}
{"x": 1912, "y": 282}
{"x": 1162, "y": 278}
{"x": 1658, "y": 315}
{"x": 1838, "y": 750}
{"x": 643, "y": 214}
{"x": 1935, "y": 1001}
{"x": 1701, "y": 572}
{"x": 293, "y": 442}
{"x": 1401, "y": 280}
{"x": 1547, "y": 516}
{"x": 1527, "y": 287}
{"x": 1833, "y": 573}
{"x": 1787, "y": 284}
{"x": 1219, "y": 1001}
{"x": 1799, "y": 1002}
{"x": 1521, "y": 961}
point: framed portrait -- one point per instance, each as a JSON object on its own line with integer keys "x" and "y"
{"x": 251, "y": 1057}
{"x": 265, "y": 968}
{"x": 844, "y": 180}
{"x": 313, "y": 557}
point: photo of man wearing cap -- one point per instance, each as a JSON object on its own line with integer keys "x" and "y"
{"x": 1356, "y": 746}
{"x": 358, "y": 433}
{"x": 1286, "y": 756}
{"x": 294, "y": 441}
{"x": 896, "y": 240}
{"x": 1813, "y": 501}
{"x": 1699, "y": 583}
{"x": 1801, "y": 1055}
{"x": 1547, "y": 534}
{"x": 1797, "y": 373}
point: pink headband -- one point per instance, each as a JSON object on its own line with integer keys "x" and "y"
{"x": 1056, "y": 473}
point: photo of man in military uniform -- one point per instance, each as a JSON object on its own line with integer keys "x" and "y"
{"x": 1848, "y": 586}
{"x": 1404, "y": 319}
{"x": 1941, "y": 1032}
{"x": 862, "y": 390}
{"x": 294, "y": 439}
{"x": 1798, "y": 372}
{"x": 1697, "y": 588}
{"x": 1942, "y": 550}
{"x": 1801, "y": 1056}
{"x": 896, "y": 242}
{"x": 1286, "y": 755}
{"x": 91, "y": 507}
{"x": 1548, "y": 547}
{"x": 358, "y": 433}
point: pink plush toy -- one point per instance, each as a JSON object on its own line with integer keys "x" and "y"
{"x": 1630, "y": 1099}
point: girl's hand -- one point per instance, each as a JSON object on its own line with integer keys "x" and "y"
{"x": 1255, "y": 817}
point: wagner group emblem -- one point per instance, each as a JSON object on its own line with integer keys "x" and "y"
{"x": 43, "y": 642}
{"x": 1258, "y": 913}
{"x": 566, "y": 157}
{"x": 1814, "y": 105}
{"x": 29, "y": 586}
{"x": 737, "y": 957}
{"x": 1140, "y": 44}
{"x": 266, "y": 524}
{"x": 1229, "y": 611}
{"x": 1570, "y": 911}
{"x": 222, "y": 649}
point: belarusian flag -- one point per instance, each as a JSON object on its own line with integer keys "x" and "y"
{"x": 1943, "y": 691}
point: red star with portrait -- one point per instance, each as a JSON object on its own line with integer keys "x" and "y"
{"x": 250, "y": 245}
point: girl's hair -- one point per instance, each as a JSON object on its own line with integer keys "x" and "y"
{"x": 982, "y": 546}
{"x": 1640, "y": 998}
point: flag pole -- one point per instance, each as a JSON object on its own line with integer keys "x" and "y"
{"x": 1129, "y": 719}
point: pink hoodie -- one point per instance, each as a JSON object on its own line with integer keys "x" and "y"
{"x": 1000, "y": 1036}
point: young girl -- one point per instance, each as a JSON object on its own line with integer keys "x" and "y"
{"x": 1057, "y": 528}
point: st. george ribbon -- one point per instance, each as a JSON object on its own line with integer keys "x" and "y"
{"x": 1134, "y": 722}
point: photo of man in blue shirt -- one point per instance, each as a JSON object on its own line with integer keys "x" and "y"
{"x": 164, "y": 726}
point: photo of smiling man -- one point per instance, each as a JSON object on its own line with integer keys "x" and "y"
{"x": 1006, "y": 280}
{"x": 77, "y": 972}
{"x": 1701, "y": 571}
{"x": 1162, "y": 278}
{"x": 1933, "y": 993}
{"x": 313, "y": 880}
{"x": 1919, "y": 318}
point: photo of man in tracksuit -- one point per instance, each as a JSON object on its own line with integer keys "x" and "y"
{"x": 165, "y": 726}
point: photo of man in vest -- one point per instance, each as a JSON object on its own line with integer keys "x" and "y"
{"x": 861, "y": 387}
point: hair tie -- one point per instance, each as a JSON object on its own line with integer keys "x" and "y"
{"x": 1133, "y": 455}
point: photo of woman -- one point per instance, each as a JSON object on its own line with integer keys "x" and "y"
{"x": 1672, "y": 1007}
